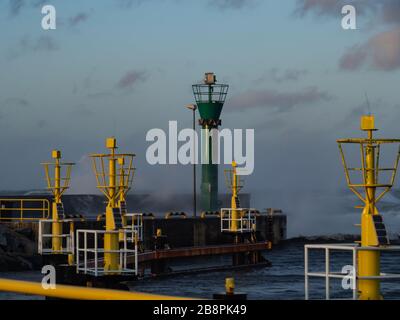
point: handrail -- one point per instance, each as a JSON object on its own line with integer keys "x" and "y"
{"x": 328, "y": 274}
{"x": 78, "y": 293}
{"x": 44, "y": 210}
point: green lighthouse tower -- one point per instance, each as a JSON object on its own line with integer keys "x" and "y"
{"x": 210, "y": 98}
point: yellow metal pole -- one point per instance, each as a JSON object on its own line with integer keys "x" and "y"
{"x": 77, "y": 293}
{"x": 111, "y": 243}
{"x": 235, "y": 213}
{"x": 56, "y": 225}
{"x": 123, "y": 188}
{"x": 369, "y": 261}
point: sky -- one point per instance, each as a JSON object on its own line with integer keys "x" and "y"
{"x": 124, "y": 67}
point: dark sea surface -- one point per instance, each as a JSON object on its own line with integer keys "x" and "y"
{"x": 283, "y": 280}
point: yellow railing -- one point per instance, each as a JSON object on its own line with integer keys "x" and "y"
{"x": 77, "y": 293}
{"x": 24, "y": 209}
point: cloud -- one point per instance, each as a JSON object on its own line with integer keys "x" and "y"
{"x": 126, "y": 4}
{"x": 27, "y": 44}
{"x": 16, "y": 102}
{"x": 13, "y": 104}
{"x": 41, "y": 124}
{"x": 230, "y": 4}
{"x": 78, "y": 18}
{"x": 43, "y": 43}
{"x": 286, "y": 75}
{"x": 381, "y": 52}
{"x": 16, "y": 6}
{"x": 381, "y": 11}
{"x": 280, "y": 101}
{"x": 129, "y": 80}
{"x": 391, "y": 11}
{"x": 334, "y": 7}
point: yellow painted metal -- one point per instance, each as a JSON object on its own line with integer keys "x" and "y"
{"x": 58, "y": 185}
{"x": 111, "y": 259}
{"x": 125, "y": 175}
{"x": 23, "y": 207}
{"x": 77, "y": 293}
{"x": 114, "y": 190}
{"x": 235, "y": 213}
{"x": 369, "y": 260}
{"x": 233, "y": 183}
{"x": 230, "y": 285}
{"x": 122, "y": 198}
{"x": 368, "y": 123}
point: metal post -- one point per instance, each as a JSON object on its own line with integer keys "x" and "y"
{"x": 194, "y": 165}
{"x": 111, "y": 238}
{"x": 85, "y": 252}
{"x": 327, "y": 283}
{"x": 57, "y": 226}
{"x": 235, "y": 213}
{"x": 355, "y": 272}
{"x": 306, "y": 272}
{"x": 96, "y": 264}
{"x": 136, "y": 257}
{"x": 77, "y": 251}
{"x": 194, "y": 108}
{"x": 369, "y": 260}
{"x": 40, "y": 245}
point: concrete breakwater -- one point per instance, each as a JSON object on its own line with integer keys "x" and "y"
{"x": 18, "y": 243}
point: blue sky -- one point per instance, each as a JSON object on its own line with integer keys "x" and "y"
{"x": 124, "y": 67}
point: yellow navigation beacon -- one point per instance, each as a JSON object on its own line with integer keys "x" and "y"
{"x": 370, "y": 190}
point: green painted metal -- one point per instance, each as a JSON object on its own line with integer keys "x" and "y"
{"x": 210, "y": 110}
{"x": 210, "y": 99}
{"x": 209, "y": 187}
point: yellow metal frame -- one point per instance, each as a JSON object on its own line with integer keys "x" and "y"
{"x": 233, "y": 183}
{"x": 125, "y": 175}
{"x": 369, "y": 260}
{"x": 58, "y": 184}
{"x": 45, "y": 209}
{"x": 364, "y": 144}
{"x": 114, "y": 183}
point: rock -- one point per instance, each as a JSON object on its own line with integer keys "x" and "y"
{"x": 27, "y": 233}
{"x": 17, "y": 252}
{"x": 13, "y": 242}
{"x": 3, "y": 240}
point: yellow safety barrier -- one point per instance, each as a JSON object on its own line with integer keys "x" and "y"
{"x": 8, "y": 207}
{"x": 77, "y": 293}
